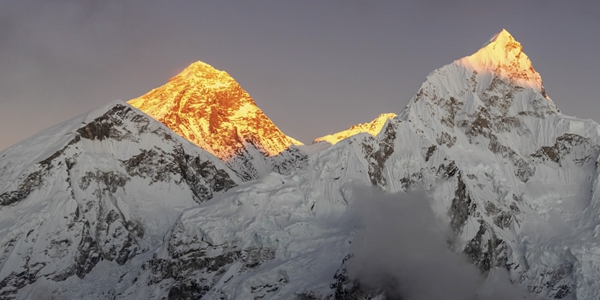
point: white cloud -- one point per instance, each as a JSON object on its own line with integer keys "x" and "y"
{"x": 403, "y": 250}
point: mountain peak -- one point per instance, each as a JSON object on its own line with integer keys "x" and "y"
{"x": 209, "y": 108}
{"x": 201, "y": 73}
{"x": 503, "y": 38}
{"x": 503, "y": 46}
{"x": 503, "y": 56}
{"x": 479, "y": 93}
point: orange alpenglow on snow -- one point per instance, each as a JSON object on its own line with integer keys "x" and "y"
{"x": 209, "y": 108}
{"x": 373, "y": 128}
{"x": 504, "y": 56}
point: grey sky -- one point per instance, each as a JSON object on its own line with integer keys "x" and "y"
{"x": 314, "y": 67}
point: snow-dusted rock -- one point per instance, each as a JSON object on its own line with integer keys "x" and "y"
{"x": 99, "y": 189}
{"x": 512, "y": 179}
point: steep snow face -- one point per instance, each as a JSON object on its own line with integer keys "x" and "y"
{"x": 209, "y": 108}
{"x": 99, "y": 189}
{"x": 525, "y": 173}
{"x": 373, "y": 128}
{"x": 514, "y": 179}
{"x": 279, "y": 237}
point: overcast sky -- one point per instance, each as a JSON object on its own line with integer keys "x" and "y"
{"x": 313, "y": 67}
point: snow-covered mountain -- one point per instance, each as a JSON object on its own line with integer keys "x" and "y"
{"x": 513, "y": 178}
{"x": 373, "y": 128}
{"x": 514, "y": 182}
{"x": 90, "y": 195}
{"x": 209, "y": 108}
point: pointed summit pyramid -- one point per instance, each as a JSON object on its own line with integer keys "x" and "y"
{"x": 209, "y": 108}
{"x": 504, "y": 56}
{"x": 485, "y": 92}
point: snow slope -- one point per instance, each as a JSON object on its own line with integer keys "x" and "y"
{"x": 97, "y": 190}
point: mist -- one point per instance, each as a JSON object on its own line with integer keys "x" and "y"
{"x": 403, "y": 250}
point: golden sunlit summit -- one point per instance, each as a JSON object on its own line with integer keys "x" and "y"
{"x": 372, "y": 128}
{"x": 209, "y": 108}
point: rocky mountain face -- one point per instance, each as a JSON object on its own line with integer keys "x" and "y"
{"x": 100, "y": 189}
{"x": 509, "y": 173}
{"x": 209, "y": 108}
{"x": 374, "y": 127}
{"x": 513, "y": 178}
{"x": 97, "y": 203}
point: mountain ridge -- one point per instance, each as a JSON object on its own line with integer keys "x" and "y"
{"x": 497, "y": 157}
{"x": 504, "y": 56}
{"x": 373, "y": 128}
{"x": 513, "y": 180}
{"x": 104, "y": 190}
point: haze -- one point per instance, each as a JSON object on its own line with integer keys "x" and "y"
{"x": 313, "y": 67}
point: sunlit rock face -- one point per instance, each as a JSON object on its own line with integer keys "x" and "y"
{"x": 209, "y": 108}
{"x": 372, "y": 128}
{"x": 504, "y": 56}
